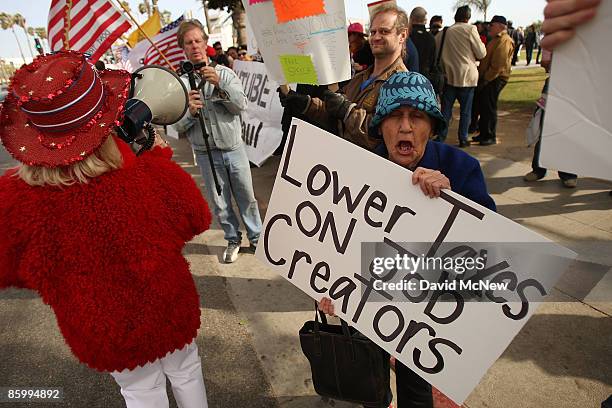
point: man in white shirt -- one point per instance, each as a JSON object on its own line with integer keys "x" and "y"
{"x": 462, "y": 48}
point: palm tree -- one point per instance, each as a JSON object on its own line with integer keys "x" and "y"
{"x": 166, "y": 17}
{"x": 6, "y": 22}
{"x": 238, "y": 16}
{"x": 41, "y": 32}
{"x": 481, "y": 5}
{"x": 21, "y": 22}
{"x": 145, "y": 7}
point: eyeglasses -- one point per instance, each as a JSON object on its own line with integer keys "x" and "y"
{"x": 242, "y": 54}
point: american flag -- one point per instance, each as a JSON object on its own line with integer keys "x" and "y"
{"x": 94, "y": 26}
{"x": 167, "y": 43}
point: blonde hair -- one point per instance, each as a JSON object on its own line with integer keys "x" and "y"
{"x": 106, "y": 158}
{"x": 401, "y": 23}
{"x": 187, "y": 26}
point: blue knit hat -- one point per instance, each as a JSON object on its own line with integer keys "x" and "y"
{"x": 407, "y": 89}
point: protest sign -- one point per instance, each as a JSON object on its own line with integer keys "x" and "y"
{"x": 327, "y": 201}
{"x": 251, "y": 40}
{"x": 316, "y": 45}
{"x": 375, "y": 4}
{"x": 577, "y": 134}
{"x": 261, "y": 121}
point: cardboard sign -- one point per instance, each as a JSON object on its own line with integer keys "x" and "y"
{"x": 251, "y": 40}
{"x": 577, "y": 134}
{"x": 320, "y": 39}
{"x": 331, "y": 196}
{"x": 261, "y": 121}
{"x": 374, "y": 5}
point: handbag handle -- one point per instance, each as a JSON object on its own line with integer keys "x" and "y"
{"x": 317, "y": 335}
{"x": 347, "y": 334}
{"x": 441, "y": 46}
{"x": 316, "y": 321}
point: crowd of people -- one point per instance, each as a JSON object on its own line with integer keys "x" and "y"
{"x": 475, "y": 60}
{"x": 74, "y": 231}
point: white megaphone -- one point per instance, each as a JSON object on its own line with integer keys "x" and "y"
{"x": 157, "y": 96}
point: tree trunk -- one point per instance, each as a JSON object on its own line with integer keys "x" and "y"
{"x": 239, "y": 23}
{"x": 28, "y": 40}
{"x": 19, "y": 45}
{"x": 5, "y": 76}
{"x": 205, "y": 6}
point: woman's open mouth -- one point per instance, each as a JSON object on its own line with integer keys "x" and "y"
{"x": 405, "y": 147}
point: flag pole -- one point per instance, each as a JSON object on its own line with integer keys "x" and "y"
{"x": 145, "y": 34}
{"x": 67, "y": 24}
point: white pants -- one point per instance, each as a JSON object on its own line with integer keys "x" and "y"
{"x": 145, "y": 387}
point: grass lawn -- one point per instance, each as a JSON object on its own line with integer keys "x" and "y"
{"x": 523, "y": 89}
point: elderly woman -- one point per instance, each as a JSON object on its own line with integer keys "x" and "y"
{"x": 407, "y": 118}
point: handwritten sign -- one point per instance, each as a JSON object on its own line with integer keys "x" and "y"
{"x": 325, "y": 205}
{"x": 372, "y": 6}
{"x": 261, "y": 121}
{"x": 322, "y": 37}
{"x": 299, "y": 69}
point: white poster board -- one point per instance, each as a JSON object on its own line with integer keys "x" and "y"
{"x": 251, "y": 40}
{"x": 313, "y": 237}
{"x": 261, "y": 121}
{"x": 372, "y": 6}
{"x": 577, "y": 136}
{"x": 322, "y": 37}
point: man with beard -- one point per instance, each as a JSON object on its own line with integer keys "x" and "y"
{"x": 353, "y": 107}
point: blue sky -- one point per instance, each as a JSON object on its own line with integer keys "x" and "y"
{"x": 522, "y": 12}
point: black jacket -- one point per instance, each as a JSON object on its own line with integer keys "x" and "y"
{"x": 426, "y": 46}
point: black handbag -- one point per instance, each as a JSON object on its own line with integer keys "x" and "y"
{"x": 437, "y": 77}
{"x": 345, "y": 364}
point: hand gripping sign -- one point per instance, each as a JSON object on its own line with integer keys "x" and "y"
{"x": 328, "y": 201}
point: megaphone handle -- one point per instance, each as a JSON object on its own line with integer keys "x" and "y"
{"x": 194, "y": 87}
{"x": 150, "y": 139}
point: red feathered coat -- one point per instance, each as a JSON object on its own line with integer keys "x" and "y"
{"x": 106, "y": 256}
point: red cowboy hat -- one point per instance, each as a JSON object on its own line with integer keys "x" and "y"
{"x": 60, "y": 109}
